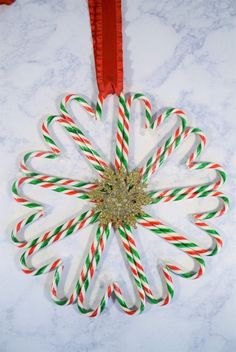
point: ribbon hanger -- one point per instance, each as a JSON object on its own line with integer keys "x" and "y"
{"x": 106, "y": 26}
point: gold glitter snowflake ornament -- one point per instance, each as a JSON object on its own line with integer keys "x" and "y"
{"x": 119, "y": 197}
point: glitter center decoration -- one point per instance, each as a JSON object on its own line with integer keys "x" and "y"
{"x": 119, "y": 197}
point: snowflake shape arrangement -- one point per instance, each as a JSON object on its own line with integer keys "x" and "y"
{"x": 118, "y": 199}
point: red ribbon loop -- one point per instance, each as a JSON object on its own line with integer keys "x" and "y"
{"x": 106, "y": 26}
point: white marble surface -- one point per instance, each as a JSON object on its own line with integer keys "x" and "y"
{"x": 180, "y": 53}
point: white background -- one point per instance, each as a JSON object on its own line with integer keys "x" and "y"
{"x": 179, "y": 53}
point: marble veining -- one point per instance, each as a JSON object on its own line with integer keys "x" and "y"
{"x": 179, "y": 53}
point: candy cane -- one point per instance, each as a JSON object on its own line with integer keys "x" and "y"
{"x": 122, "y": 135}
{"x": 49, "y": 185}
{"x": 63, "y": 181}
{"x": 48, "y": 239}
{"x": 80, "y": 137}
{"x": 163, "y": 152}
{"x": 137, "y": 269}
{"x": 180, "y": 242}
{"x": 192, "y": 191}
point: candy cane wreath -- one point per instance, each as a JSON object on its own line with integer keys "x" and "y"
{"x": 99, "y": 192}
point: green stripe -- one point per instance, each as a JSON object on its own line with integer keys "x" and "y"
{"x": 41, "y": 270}
{"x": 81, "y": 100}
{"x": 63, "y": 108}
{"x": 170, "y": 290}
{"x": 49, "y": 140}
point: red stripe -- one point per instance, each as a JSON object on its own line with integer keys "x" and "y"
{"x": 21, "y": 200}
{"x": 55, "y": 150}
{"x": 189, "y": 190}
{"x": 215, "y": 166}
{"x": 126, "y": 247}
{"x": 45, "y": 236}
{"x": 117, "y": 165}
{"x": 37, "y": 155}
{"x": 168, "y": 199}
{"x": 102, "y": 244}
{"x": 44, "y": 128}
{"x": 131, "y": 312}
{"x": 170, "y": 150}
{"x": 197, "y": 216}
{"x": 69, "y": 224}
{"x": 179, "y": 112}
{"x": 139, "y": 266}
{"x": 217, "y": 185}
{"x": 121, "y": 113}
{"x": 91, "y": 270}
{"x": 89, "y": 109}
{"x": 23, "y": 166}
{"x": 197, "y": 251}
{"x": 166, "y": 301}
{"x": 70, "y": 193}
{"x": 32, "y": 249}
{"x": 147, "y": 103}
{"x": 163, "y": 193}
{"x": 177, "y": 132}
{"x": 81, "y": 139}
{"x": 71, "y": 299}
{"x": 159, "y": 120}
{"x": 193, "y": 195}
{"x": 27, "y": 271}
{"x": 175, "y": 238}
{"x": 130, "y": 239}
{"x": 202, "y": 224}
{"x": 22, "y": 245}
{"x": 68, "y": 97}
{"x": 134, "y": 271}
{"x": 109, "y": 291}
{"x": 126, "y": 124}
{"x": 118, "y": 137}
{"x": 81, "y": 298}
{"x": 22, "y": 180}
{"x": 167, "y": 276}
{"x": 141, "y": 295}
{"x": 219, "y": 241}
{"x": 125, "y": 149}
{"x": 43, "y": 178}
{"x": 67, "y": 182}
{"x": 92, "y": 249}
{"x": 82, "y": 275}
{"x": 18, "y": 226}
{"x": 90, "y": 157}
{"x": 203, "y": 139}
{"x": 57, "y": 237}
{"x": 147, "y": 290}
{"x": 47, "y": 185}
{"x": 54, "y": 265}
{"x": 94, "y": 314}
{"x": 102, "y": 163}
{"x": 173, "y": 267}
{"x": 200, "y": 272}
{"x": 150, "y": 223}
{"x": 82, "y": 223}
{"x": 117, "y": 289}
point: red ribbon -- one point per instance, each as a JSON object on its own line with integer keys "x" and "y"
{"x": 6, "y": 2}
{"x": 106, "y": 26}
